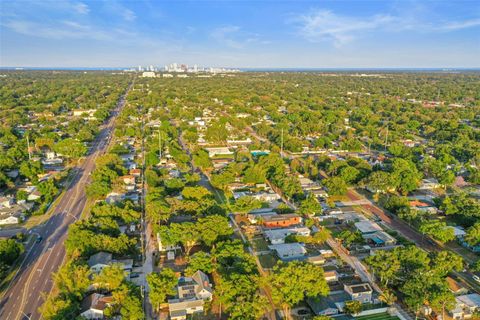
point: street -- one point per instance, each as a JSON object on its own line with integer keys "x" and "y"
{"x": 34, "y": 278}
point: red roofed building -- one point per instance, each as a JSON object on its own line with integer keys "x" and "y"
{"x": 281, "y": 220}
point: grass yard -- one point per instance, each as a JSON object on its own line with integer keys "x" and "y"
{"x": 379, "y": 316}
{"x": 267, "y": 261}
{"x": 260, "y": 244}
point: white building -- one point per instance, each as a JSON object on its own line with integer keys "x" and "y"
{"x": 277, "y": 236}
{"x": 289, "y": 251}
{"x": 148, "y": 74}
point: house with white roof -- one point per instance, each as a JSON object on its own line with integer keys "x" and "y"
{"x": 289, "y": 251}
{"x": 277, "y": 236}
{"x": 466, "y": 306}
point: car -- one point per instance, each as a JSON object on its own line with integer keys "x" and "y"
{"x": 476, "y": 278}
{"x": 39, "y": 239}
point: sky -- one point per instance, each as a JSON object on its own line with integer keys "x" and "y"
{"x": 245, "y": 34}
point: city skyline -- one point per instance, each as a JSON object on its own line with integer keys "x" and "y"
{"x": 308, "y": 34}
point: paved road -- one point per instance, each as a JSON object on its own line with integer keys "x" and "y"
{"x": 34, "y": 278}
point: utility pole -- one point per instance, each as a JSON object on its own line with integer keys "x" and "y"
{"x": 386, "y": 139}
{"x": 28, "y": 149}
{"x": 159, "y": 146}
{"x": 281, "y": 145}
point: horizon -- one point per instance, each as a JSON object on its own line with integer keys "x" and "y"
{"x": 241, "y": 34}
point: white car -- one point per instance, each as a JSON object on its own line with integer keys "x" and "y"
{"x": 476, "y": 278}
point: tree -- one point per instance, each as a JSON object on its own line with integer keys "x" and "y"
{"x": 70, "y": 148}
{"x": 348, "y": 237}
{"x": 202, "y": 160}
{"x": 31, "y": 170}
{"x": 73, "y": 279}
{"x": 349, "y": 174}
{"x": 378, "y": 181}
{"x": 200, "y": 261}
{"x": 48, "y": 190}
{"x": 216, "y": 132}
{"x": 185, "y": 233}
{"x": 246, "y": 204}
{"x": 173, "y": 186}
{"x": 310, "y": 206}
{"x": 222, "y": 180}
{"x": 437, "y": 230}
{"x": 405, "y": 175}
{"x": 111, "y": 277}
{"x": 10, "y": 250}
{"x": 195, "y": 193}
{"x": 213, "y": 227}
{"x": 336, "y": 186}
{"x": 388, "y": 297}
{"x": 157, "y": 211}
{"x": 384, "y": 265}
{"x": 162, "y": 284}
{"x": 353, "y": 307}
{"x": 294, "y": 281}
{"x": 442, "y": 299}
{"x": 473, "y": 234}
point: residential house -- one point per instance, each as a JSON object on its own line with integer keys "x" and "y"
{"x": 277, "y": 236}
{"x": 367, "y": 227}
{"x": 178, "y": 309}
{"x": 218, "y": 151}
{"x": 361, "y": 292}
{"x": 266, "y": 196}
{"x": 15, "y": 213}
{"x": 281, "y": 220}
{"x": 99, "y": 260}
{"x": 192, "y": 293}
{"x": 466, "y": 306}
{"x": 6, "y": 202}
{"x": 423, "y": 206}
{"x": 331, "y": 276}
{"x": 289, "y": 251}
{"x": 197, "y": 286}
{"x": 456, "y": 287}
{"x": 114, "y": 197}
{"x": 93, "y": 306}
{"x": 380, "y": 238}
{"x": 129, "y": 179}
{"x": 135, "y": 172}
{"x": 429, "y": 184}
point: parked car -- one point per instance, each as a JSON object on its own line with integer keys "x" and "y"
{"x": 476, "y": 278}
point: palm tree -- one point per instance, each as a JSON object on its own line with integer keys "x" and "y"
{"x": 388, "y": 297}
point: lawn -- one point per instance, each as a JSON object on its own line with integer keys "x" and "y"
{"x": 260, "y": 244}
{"x": 267, "y": 261}
{"x": 378, "y": 316}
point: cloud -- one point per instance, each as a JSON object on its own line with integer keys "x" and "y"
{"x": 81, "y": 8}
{"x": 225, "y": 35}
{"x": 128, "y": 15}
{"x": 116, "y": 8}
{"x": 325, "y": 25}
{"x": 57, "y": 31}
{"x": 322, "y": 25}
{"x": 453, "y": 26}
{"x": 234, "y": 37}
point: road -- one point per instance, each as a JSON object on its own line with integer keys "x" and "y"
{"x": 34, "y": 278}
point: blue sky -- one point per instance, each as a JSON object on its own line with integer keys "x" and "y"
{"x": 320, "y": 34}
